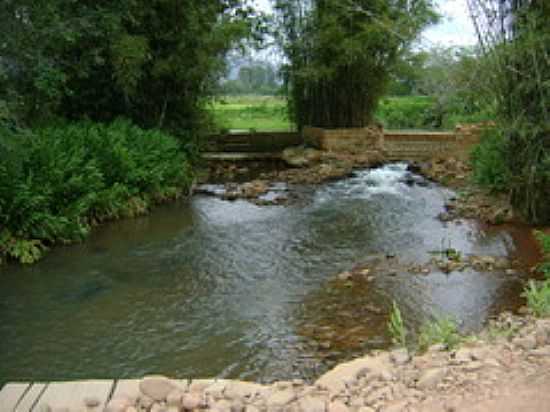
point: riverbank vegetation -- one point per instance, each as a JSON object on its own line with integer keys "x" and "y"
{"x": 57, "y": 182}
{"x": 102, "y": 106}
{"x": 514, "y": 157}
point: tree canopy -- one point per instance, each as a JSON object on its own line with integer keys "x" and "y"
{"x": 153, "y": 61}
{"x": 340, "y": 54}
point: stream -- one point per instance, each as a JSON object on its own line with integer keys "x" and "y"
{"x": 206, "y": 287}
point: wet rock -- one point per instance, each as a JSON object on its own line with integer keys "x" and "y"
{"x": 156, "y": 387}
{"x": 430, "y": 378}
{"x": 300, "y": 156}
{"x": 345, "y": 276}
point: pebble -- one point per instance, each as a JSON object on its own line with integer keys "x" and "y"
{"x": 91, "y": 401}
{"x": 337, "y": 406}
{"x": 430, "y": 378}
{"x": 191, "y": 401}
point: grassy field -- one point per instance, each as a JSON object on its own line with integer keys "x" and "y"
{"x": 268, "y": 113}
{"x": 260, "y": 113}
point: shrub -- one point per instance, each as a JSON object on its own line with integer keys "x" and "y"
{"x": 490, "y": 163}
{"x": 442, "y": 330}
{"x": 57, "y": 182}
{"x": 544, "y": 241}
{"x": 538, "y": 297}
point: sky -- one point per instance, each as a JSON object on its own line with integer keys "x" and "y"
{"x": 455, "y": 28}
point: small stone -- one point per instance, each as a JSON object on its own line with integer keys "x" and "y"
{"x": 337, "y": 406}
{"x": 131, "y": 409}
{"x": 366, "y": 409}
{"x": 345, "y": 276}
{"x": 156, "y": 387}
{"x": 545, "y": 351}
{"x": 473, "y": 366}
{"x": 157, "y": 407}
{"x": 383, "y": 393}
{"x": 280, "y": 398}
{"x": 396, "y": 406}
{"x": 174, "y": 398}
{"x": 400, "y": 356}
{"x": 145, "y": 402}
{"x": 222, "y": 406}
{"x": 431, "y": 378}
{"x": 191, "y": 401}
{"x": 525, "y": 343}
{"x": 237, "y": 407}
{"x": 312, "y": 404}
{"x": 91, "y": 401}
{"x": 542, "y": 335}
{"x": 438, "y": 347}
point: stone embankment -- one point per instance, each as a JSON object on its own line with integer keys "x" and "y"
{"x": 505, "y": 369}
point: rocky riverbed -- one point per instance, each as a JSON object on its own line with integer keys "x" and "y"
{"x": 502, "y": 369}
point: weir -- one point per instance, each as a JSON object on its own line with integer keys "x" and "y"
{"x": 406, "y": 145}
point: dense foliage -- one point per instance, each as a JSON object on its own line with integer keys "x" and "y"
{"x": 57, "y": 182}
{"x": 154, "y": 62}
{"x": 340, "y": 54}
{"x": 516, "y": 47}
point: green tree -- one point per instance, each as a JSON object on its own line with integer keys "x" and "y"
{"x": 340, "y": 54}
{"x": 152, "y": 61}
{"x": 515, "y": 39}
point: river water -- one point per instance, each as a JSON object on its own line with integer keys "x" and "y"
{"x": 207, "y": 287}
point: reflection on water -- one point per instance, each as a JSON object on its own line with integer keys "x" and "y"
{"x": 215, "y": 288}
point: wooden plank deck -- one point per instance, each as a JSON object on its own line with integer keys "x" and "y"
{"x": 69, "y": 396}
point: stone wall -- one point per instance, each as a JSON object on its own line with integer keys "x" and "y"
{"x": 396, "y": 145}
{"x": 352, "y": 140}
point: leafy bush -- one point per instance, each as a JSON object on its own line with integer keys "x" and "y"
{"x": 405, "y": 112}
{"x": 538, "y": 298}
{"x": 544, "y": 241}
{"x": 490, "y": 163}
{"x": 442, "y": 330}
{"x": 396, "y": 327}
{"x": 57, "y": 182}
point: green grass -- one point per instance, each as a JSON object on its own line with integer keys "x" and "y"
{"x": 269, "y": 113}
{"x": 260, "y": 113}
{"x": 396, "y": 327}
{"x": 442, "y": 330}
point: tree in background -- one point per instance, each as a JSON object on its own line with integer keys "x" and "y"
{"x": 515, "y": 39}
{"x": 154, "y": 62}
{"x": 340, "y": 53}
{"x": 256, "y": 77}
